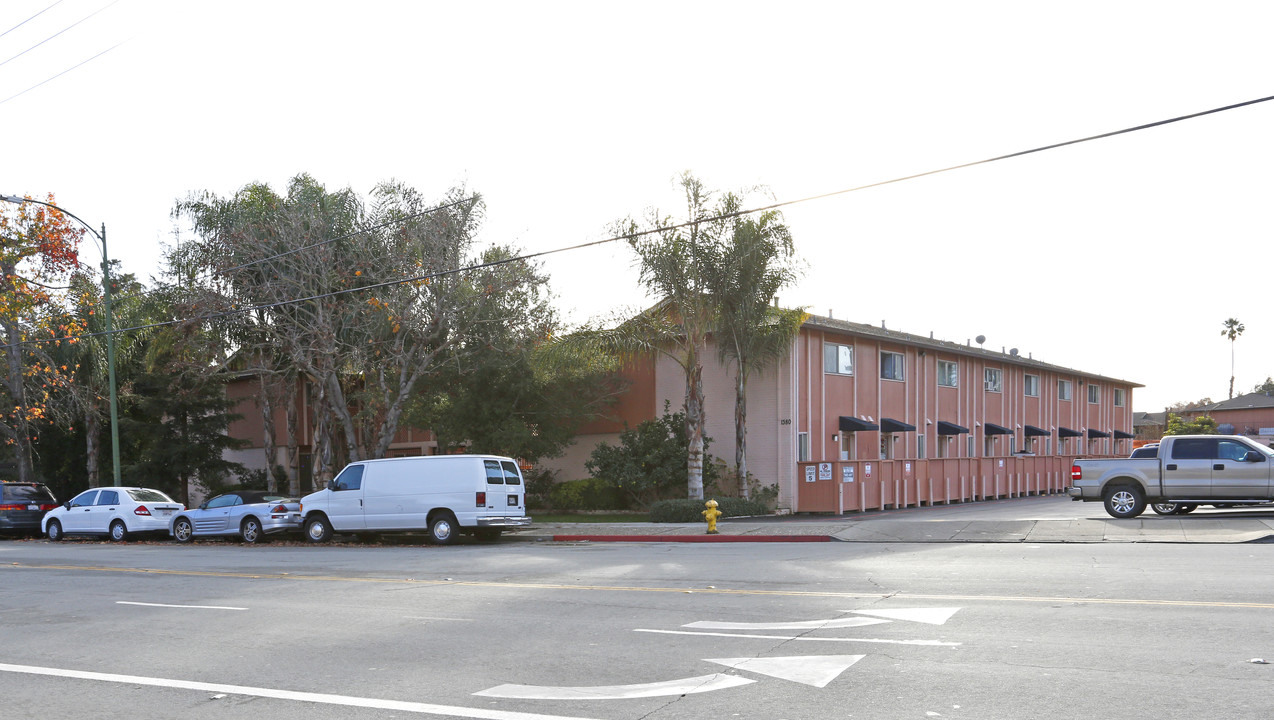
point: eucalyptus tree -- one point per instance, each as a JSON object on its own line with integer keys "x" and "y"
{"x": 752, "y": 333}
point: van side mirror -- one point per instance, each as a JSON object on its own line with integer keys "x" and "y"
{"x": 331, "y": 484}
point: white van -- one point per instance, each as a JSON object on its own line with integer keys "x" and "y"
{"x": 443, "y": 494}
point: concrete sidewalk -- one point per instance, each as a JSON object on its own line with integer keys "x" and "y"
{"x": 884, "y": 529}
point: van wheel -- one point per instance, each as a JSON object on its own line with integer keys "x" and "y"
{"x": 443, "y": 529}
{"x": 318, "y": 529}
{"x": 1125, "y": 501}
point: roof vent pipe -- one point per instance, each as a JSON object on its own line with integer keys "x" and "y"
{"x": 882, "y": 325}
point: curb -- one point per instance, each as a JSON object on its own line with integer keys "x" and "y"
{"x": 692, "y": 538}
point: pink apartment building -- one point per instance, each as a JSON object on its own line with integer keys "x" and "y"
{"x": 860, "y": 417}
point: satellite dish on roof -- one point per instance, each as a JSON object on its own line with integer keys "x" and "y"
{"x": 980, "y": 339}
{"x": 1013, "y": 352}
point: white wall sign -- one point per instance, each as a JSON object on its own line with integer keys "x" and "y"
{"x": 824, "y": 471}
{"x": 847, "y": 473}
{"x": 809, "y": 473}
{"x": 908, "y": 467}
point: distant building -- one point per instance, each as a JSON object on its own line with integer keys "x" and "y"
{"x": 1251, "y": 415}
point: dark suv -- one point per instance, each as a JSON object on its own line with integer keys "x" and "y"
{"x": 22, "y": 507}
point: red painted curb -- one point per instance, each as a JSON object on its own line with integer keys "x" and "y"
{"x": 692, "y": 538}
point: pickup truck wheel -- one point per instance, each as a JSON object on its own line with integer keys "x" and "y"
{"x": 1125, "y": 501}
{"x": 1166, "y": 508}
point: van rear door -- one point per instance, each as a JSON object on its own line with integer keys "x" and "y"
{"x": 515, "y": 497}
{"x": 496, "y": 491}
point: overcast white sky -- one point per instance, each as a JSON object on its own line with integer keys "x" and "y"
{"x": 1122, "y": 256}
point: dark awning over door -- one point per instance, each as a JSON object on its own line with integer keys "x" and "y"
{"x": 849, "y": 423}
{"x": 993, "y": 429}
{"x": 1032, "y": 431}
{"x": 1121, "y": 435}
{"x": 1065, "y": 432}
{"x": 947, "y": 428}
{"x": 889, "y": 425}
{"x": 1092, "y": 433}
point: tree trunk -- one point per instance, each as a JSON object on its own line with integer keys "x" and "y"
{"x": 741, "y": 432}
{"x": 694, "y": 426}
{"x": 294, "y": 473}
{"x": 321, "y": 443}
{"x": 92, "y": 433}
{"x": 267, "y": 424}
{"x": 340, "y": 410}
{"x": 17, "y": 392}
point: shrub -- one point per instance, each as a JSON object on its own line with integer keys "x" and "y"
{"x": 539, "y": 487}
{"x": 650, "y": 461}
{"x": 684, "y": 511}
{"x": 587, "y": 494}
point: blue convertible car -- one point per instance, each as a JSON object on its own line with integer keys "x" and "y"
{"x": 249, "y": 514}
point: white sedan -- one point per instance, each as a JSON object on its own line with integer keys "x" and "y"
{"x": 115, "y": 512}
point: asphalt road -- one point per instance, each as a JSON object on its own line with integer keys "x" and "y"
{"x": 625, "y": 631}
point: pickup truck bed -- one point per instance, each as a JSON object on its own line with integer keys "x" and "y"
{"x": 1189, "y": 469}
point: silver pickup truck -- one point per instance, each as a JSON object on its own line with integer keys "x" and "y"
{"x": 1189, "y": 470}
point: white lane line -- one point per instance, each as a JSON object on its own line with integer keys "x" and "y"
{"x": 938, "y": 643}
{"x": 415, "y": 707}
{"x": 194, "y": 607}
{"x": 796, "y": 625}
{"x": 688, "y": 686}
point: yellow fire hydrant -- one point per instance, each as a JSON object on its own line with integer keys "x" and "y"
{"x": 711, "y": 514}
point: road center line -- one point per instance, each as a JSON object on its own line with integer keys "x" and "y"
{"x": 679, "y": 590}
{"x": 194, "y": 607}
{"x": 415, "y": 707}
{"x": 801, "y": 637}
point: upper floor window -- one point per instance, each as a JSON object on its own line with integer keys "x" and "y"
{"x": 1094, "y": 394}
{"x": 891, "y": 365}
{"x": 1119, "y": 397}
{"x": 948, "y": 374}
{"x": 1064, "y": 389}
{"x": 838, "y": 359}
{"x": 991, "y": 378}
{"x": 1031, "y": 385}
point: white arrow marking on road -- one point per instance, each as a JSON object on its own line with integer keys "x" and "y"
{"x": 346, "y": 700}
{"x": 193, "y": 607}
{"x": 802, "y": 625}
{"x": 933, "y": 616}
{"x": 806, "y": 638}
{"x": 816, "y": 670}
{"x": 688, "y": 686}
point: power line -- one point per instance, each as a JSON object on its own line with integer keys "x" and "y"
{"x": 59, "y": 32}
{"x": 55, "y": 77}
{"x": 24, "y": 22}
{"x": 633, "y": 236}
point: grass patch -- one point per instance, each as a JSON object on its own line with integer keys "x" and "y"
{"x": 588, "y": 517}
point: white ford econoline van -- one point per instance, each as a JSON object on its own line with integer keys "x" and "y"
{"x": 443, "y": 494}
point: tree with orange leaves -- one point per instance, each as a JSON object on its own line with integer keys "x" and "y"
{"x": 39, "y": 248}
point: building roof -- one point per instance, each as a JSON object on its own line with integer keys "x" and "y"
{"x": 1141, "y": 419}
{"x": 852, "y": 328}
{"x": 1242, "y": 402}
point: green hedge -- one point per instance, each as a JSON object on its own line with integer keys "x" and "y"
{"x": 683, "y": 511}
{"x": 587, "y": 494}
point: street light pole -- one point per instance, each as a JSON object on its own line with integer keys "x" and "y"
{"x": 110, "y": 331}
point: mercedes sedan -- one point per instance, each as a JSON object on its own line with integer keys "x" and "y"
{"x": 248, "y": 514}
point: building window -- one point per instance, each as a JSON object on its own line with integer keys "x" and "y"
{"x": 838, "y": 359}
{"x": 1031, "y": 385}
{"x": 988, "y": 445}
{"x": 846, "y": 445}
{"x": 943, "y": 443}
{"x": 891, "y": 365}
{"x": 948, "y": 374}
{"x": 920, "y": 446}
{"x": 1119, "y": 397}
{"x": 886, "y": 446}
{"x": 802, "y": 447}
{"x": 1063, "y": 389}
{"x": 991, "y": 380}
{"x": 1094, "y": 394}
{"x": 970, "y": 447}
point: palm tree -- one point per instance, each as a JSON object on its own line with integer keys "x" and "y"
{"x": 751, "y": 332}
{"x": 1233, "y": 329}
